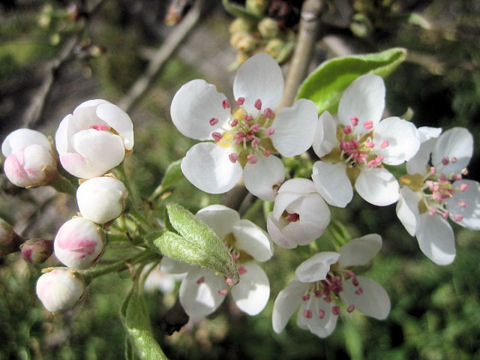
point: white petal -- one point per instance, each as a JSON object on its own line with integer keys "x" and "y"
{"x": 220, "y": 218}
{"x": 364, "y": 99}
{"x": 418, "y": 163}
{"x": 253, "y": 240}
{"x": 173, "y": 266}
{"x": 377, "y": 186}
{"x": 373, "y": 301}
{"x": 298, "y": 186}
{"x": 253, "y": 290}
{"x": 456, "y": 142}
{"x": 119, "y": 120}
{"x": 471, "y": 197}
{"x": 207, "y": 166}
{"x": 259, "y": 77}
{"x": 325, "y": 138}
{"x": 360, "y": 251}
{"x": 199, "y": 293}
{"x": 261, "y": 178}
{"x": 407, "y": 209}
{"x": 85, "y": 115}
{"x": 436, "y": 239}
{"x": 63, "y": 135}
{"x": 320, "y": 326}
{"x": 295, "y": 128}
{"x": 332, "y": 183}
{"x": 286, "y": 303}
{"x": 274, "y": 228}
{"x": 403, "y": 140}
{"x": 21, "y": 138}
{"x": 317, "y": 267}
{"x": 194, "y": 105}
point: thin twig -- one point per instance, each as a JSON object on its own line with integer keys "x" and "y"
{"x": 309, "y": 26}
{"x": 160, "y": 58}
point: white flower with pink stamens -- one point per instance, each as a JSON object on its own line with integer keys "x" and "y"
{"x": 299, "y": 215}
{"x": 354, "y": 147}
{"x": 30, "y": 159}
{"x": 94, "y": 139}
{"x": 434, "y": 190}
{"x": 246, "y": 134}
{"x": 202, "y": 290}
{"x": 79, "y": 243}
{"x": 325, "y": 286}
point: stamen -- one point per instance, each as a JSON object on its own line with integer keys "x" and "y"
{"x": 453, "y": 159}
{"x": 293, "y": 217}
{"x": 248, "y": 118}
{"x": 321, "y": 313}
{"x": 445, "y": 161}
{"x": 307, "y": 314}
{"x": 335, "y": 310}
{"x": 354, "y": 120}
{"x": 201, "y": 280}
{"x": 255, "y": 143}
{"x": 462, "y": 203}
{"x": 258, "y": 104}
{"x": 216, "y": 136}
{"x": 100, "y": 127}
{"x": 463, "y": 187}
{"x": 432, "y": 212}
{"x": 226, "y": 104}
{"x": 233, "y": 157}
{"x": 359, "y": 291}
{"x": 384, "y": 144}
{"x": 368, "y": 125}
{"x": 369, "y": 144}
{"x": 252, "y": 159}
{"x": 458, "y": 217}
{"x": 350, "y": 308}
{"x": 270, "y": 131}
{"x": 268, "y": 113}
{"x": 347, "y": 129}
{"x": 240, "y": 101}
{"x": 234, "y": 123}
{"x": 306, "y": 297}
{"x": 242, "y": 270}
{"x": 229, "y": 281}
{"x": 213, "y": 121}
{"x": 223, "y": 291}
{"x": 267, "y": 152}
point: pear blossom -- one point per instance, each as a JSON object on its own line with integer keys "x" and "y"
{"x": 94, "y": 139}
{"x": 30, "y": 161}
{"x": 434, "y": 191}
{"x": 101, "y": 199}
{"x": 59, "y": 289}
{"x": 79, "y": 243}
{"x": 354, "y": 146}
{"x": 325, "y": 286}
{"x": 246, "y": 133}
{"x": 202, "y": 290}
{"x": 299, "y": 215}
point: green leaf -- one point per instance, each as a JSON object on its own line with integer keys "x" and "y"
{"x": 325, "y": 85}
{"x": 195, "y": 243}
{"x": 172, "y": 175}
{"x": 137, "y": 324}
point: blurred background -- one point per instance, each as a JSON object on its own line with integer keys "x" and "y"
{"x": 56, "y": 54}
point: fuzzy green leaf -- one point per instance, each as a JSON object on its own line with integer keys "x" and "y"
{"x": 173, "y": 175}
{"x": 325, "y": 85}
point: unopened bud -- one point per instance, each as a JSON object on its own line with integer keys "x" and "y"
{"x": 243, "y": 42}
{"x": 9, "y": 240}
{"x": 29, "y": 160}
{"x": 240, "y": 25}
{"x": 60, "y": 289}
{"x": 37, "y": 251}
{"x": 268, "y": 28}
{"x": 256, "y": 6}
{"x": 79, "y": 243}
{"x": 274, "y": 47}
{"x": 101, "y": 199}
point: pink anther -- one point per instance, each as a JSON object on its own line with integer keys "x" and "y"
{"x": 226, "y": 104}
{"x": 201, "y": 280}
{"x": 270, "y": 131}
{"x": 213, "y": 121}
{"x": 233, "y": 157}
{"x": 242, "y": 270}
{"x": 252, "y": 159}
{"x": 258, "y": 104}
{"x": 307, "y": 314}
{"x": 347, "y": 129}
{"x": 223, "y": 291}
{"x": 335, "y": 310}
{"x": 350, "y": 308}
{"x": 458, "y": 217}
{"x": 368, "y": 125}
{"x": 354, "y": 120}
{"x": 100, "y": 127}
{"x": 216, "y": 136}
{"x": 240, "y": 101}
{"x": 384, "y": 144}
{"x": 268, "y": 113}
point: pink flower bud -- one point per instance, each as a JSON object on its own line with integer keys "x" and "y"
{"x": 101, "y": 199}
{"x": 37, "y": 251}
{"x": 79, "y": 243}
{"x": 60, "y": 289}
{"x": 9, "y": 240}
{"x": 29, "y": 159}
{"x": 94, "y": 139}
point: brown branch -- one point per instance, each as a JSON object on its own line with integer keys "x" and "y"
{"x": 309, "y": 26}
{"x": 160, "y": 58}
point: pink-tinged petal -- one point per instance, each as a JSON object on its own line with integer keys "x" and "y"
{"x": 360, "y": 251}
{"x": 402, "y": 138}
{"x": 418, "y": 163}
{"x": 78, "y": 166}
{"x": 253, "y": 240}
{"x": 119, "y": 120}
{"x": 207, "y": 166}
{"x": 22, "y": 138}
{"x": 274, "y": 228}
{"x": 321, "y": 320}
{"x": 377, "y": 186}
{"x": 436, "y": 239}
{"x": 286, "y": 304}
{"x": 457, "y": 143}
{"x": 194, "y": 105}
{"x": 332, "y": 183}
{"x": 260, "y": 77}
{"x": 13, "y": 169}
{"x": 407, "y": 209}
{"x": 373, "y": 301}
{"x": 295, "y": 128}
{"x": 219, "y": 218}
{"x": 85, "y": 115}
{"x": 464, "y": 206}
{"x": 317, "y": 267}
{"x": 263, "y": 177}
{"x": 175, "y": 267}
{"x": 325, "y": 138}
{"x": 252, "y": 291}
{"x": 363, "y": 99}
{"x": 63, "y": 135}
{"x": 201, "y": 293}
